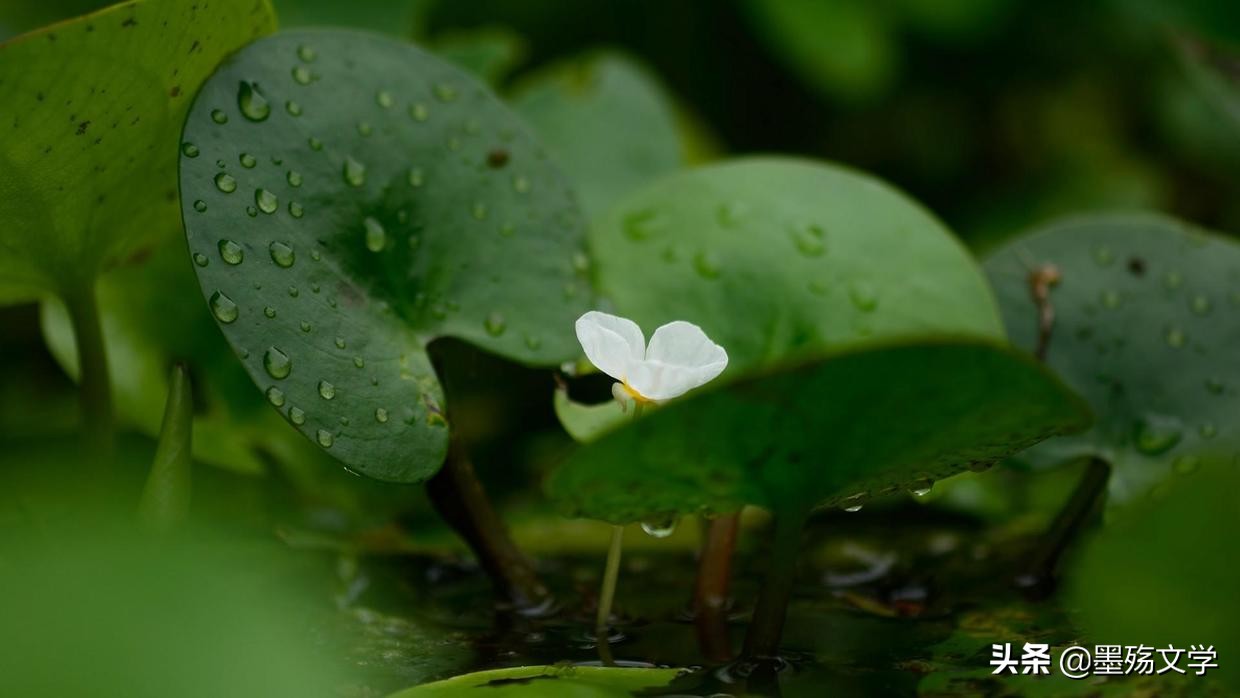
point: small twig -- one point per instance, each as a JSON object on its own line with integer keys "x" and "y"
{"x": 711, "y": 590}
{"x": 1039, "y": 575}
{"x": 1041, "y": 279}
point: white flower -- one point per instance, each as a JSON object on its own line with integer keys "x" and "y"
{"x": 680, "y": 356}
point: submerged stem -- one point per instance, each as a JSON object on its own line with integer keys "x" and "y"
{"x": 459, "y": 498}
{"x": 710, "y": 590}
{"x": 767, "y": 626}
{"x": 607, "y": 593}
{"x": 165, "y": 499}
{"x": 1038, "y": 577}
{"x": 95, "y": 396}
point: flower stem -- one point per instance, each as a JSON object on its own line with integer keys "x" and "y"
{"x": 607, "y": 593}
{"x": 95, "y": 389}
{"x": 459, "y": 498}
{"x": 710, "y": 590}
{"x": 767, "y": 626}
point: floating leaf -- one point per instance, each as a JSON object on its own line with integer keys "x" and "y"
{"x": 1145, "y": 323}
{"x": 547, "y": 682}
{"x": 411, "y": 205}
{"x": 91, "y": 110}
{"x": 833, "y": 431}
{"x": 773, "y": 256}
{"x": 587, "y": 111}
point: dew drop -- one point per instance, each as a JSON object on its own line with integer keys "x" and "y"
{"x": 922, "y": 488}
{"x": 364, "y": 129}
{"x": 495, "y": 324}
{"x": 294, "y": 178}
{"x": 1172, "y": 280}
{"x": 1201, "y": 305}
{"x": 189, "y": 150}
{"x": 444, "y": 92}
{"x": 252, "y": 103}
{"x": 306, "y": 53}
{"x": 381, "y": 415}
{"x": 306, "y": 326}
{"x": 532, "y": 343}
{"x": 1103, "y": 256}
{"x": 295, "y": 209}
{"x": 729, "y": 215}
{"x": 1109, "y": 299}
{"x": 376, "y": 236}
{"x": 201, "y": 259}
{"x": 251, "y": 211}
{"x": 521, "y": 184}
{"x": 325, "y": 438}
{"x": 641, "y": 225}
{"x": 810, "y": 240}
{"x": 223, "y": 307}
{"x": 297, "y": 415}
{"x": 1207, "y": 430}
{"x": 853, "y": 509}
{"x": 327, "y": 391}
{"x": 706, "y": 264}
{"x": 1186, "y": 464}
{"x": 266, "y": 201}
{"x": 1214, "y": 386}
{"x": 359, "y": 362}
{"x": 1156, "y": 434}
{"x": 302, "y": 75}
{"x": 218, "y": 116}
{"x": 293, "y": 108}
{"x": 340, "y": 343}
{"x": 1175, "y": 337}
{"x": 478, "y": 211}
{"x": 277, "y": 363}
{"x": 231, "y": 252}
{"x": 248, "y": 161}
{"x": 416, "y": 178}
{"x": 863, "y": 297}
{"x": 384, "y": 99}
{"x": 354, "y": 172}
{"x": 661, "y": 527}
{"x": 275, "y": 396}
{"x": 293, "y": 292}
{"x": 270, "y": 312}
{"x": 314, "y": 143}
{"x": 200, "y": 206}
{"x": 225, "y": 183}
{"x": 419, "y": 112}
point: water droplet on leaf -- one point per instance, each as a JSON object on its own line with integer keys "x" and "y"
{"x": 223, "y": 307}
{"x": 277, "y": 363}
{"x": 231, "y": 252}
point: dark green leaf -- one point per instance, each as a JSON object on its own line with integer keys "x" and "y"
{"x": 353, "y": 198}
{"x": 1145, "y": 329}
{"x": 833, "y": 431}
{"x": 547, "y": 682}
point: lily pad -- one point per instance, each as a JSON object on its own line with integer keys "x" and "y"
{"x": 774, "y": 256}
{"x": 1145, "y": 329}
{"x": 833, "y": 431}
{"x": 606, "y": 119}
{"x": 548, "y": 682}
{"x": 91, "y": 109}
{"x": 348, "y": 199}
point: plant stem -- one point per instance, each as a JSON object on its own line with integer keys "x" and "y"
{"x": 767, "y": 626}
{"x": 710, "y": 590}
{"x": 459, "y": 498}
{"x": 95, "y": 389}
{"x": 165, "y": 499}
{"x": 607, "y": 593}
{"x": 1039, "y": 575}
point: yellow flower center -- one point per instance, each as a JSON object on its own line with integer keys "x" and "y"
{"x": 634, "y": 394}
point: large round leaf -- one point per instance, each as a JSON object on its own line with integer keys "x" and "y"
{"x": 775, "y": 255}
{"x": 607, "y": 120}
{"x": 91, "y": 110}
{"x": 834, "y": 431}
{"x": 547, "y": 682}
{"x": 1146, "y": 329}
{"x": 347, "y": 200}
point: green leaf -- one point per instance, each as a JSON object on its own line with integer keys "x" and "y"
{"x": 586, "y": 422}
{"x": 152, "y": 315}
{"x": 843, "y": 49}
{"x": 1215, "y": 72}
{"x": 1172, "y": 560}
{"x": 91, "y": 110}
{"x": 491, "y": 53}
{"x": 1145, "y": 316}
{"x": 548, "y": 682}
{"x": 587, "y": 110}
{"x": 832, "y": 431}
{"x": 773, "y": 256}
{"x": 353, "y": 198}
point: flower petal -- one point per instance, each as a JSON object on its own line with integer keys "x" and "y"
{"x": 611, "y": 343}
{"x": 680, "y": 358}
